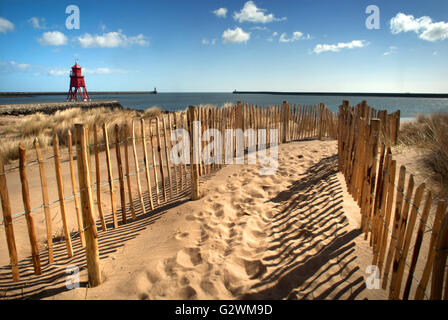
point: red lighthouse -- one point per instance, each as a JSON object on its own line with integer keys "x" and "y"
{"x": 77, "y": 83}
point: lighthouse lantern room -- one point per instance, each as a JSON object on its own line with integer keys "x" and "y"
{"x": 77, "y": 85}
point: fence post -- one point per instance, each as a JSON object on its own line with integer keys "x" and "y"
{"x": 98, "y": 178}
{"x": 90, "y": 232}
{"x": 43, "y": 180}
{"x": 73, "y": 180}
{"x": 285, "y": 120}
{"x": 146, "y": 163}
{"x": 397, "y": 126}
{"x": 321, "y": 120}
{"x": 29, "y": 218}
{"x": 7, "y": 221}
{"x": 110, "y": 176}
{"x": 120, "y": 173}
{"x": 128, "y": 178}
{"x": 239, "y": 116}
{"x": 137, "y": 171}
{"x": 60, "y": 184}
{"x": 192, "y": 116}
{"x": 440, "y": 261}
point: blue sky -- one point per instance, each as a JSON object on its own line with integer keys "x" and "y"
{"x": 191, "y": 46}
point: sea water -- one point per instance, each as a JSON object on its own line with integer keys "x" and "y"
{"x": 410, "y": 107}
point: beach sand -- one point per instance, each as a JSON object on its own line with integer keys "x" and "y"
{"x": 291, "y": 235}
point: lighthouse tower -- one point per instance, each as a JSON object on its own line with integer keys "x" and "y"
{"x": 77, "y": 83}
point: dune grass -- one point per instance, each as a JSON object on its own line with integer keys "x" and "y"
{"x": 430, "y": 133}
{"x": 45, "y": 127}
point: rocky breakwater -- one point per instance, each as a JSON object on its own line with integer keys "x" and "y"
{"x": 52, "y": 107}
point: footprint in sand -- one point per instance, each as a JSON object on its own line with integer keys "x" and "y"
{"x": 254, "y": 268}
{"x": 189, "y": 257}
{"x": 187, "y": 293}
{"x": 217, "y": 206}
{"x": 219, "y": 213}
{"x": 204, "y": 235}
{"x": 208, "y": 287}
{"x": 254, "y": 193}
{"x": 181, "y": 235}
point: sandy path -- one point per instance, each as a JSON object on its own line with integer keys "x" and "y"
{"x": 291, "y": 235}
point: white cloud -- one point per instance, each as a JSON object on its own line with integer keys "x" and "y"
{"x": 435, "y": 31}
{"x": 20, "y": 66}
{"x": 338, "y": 47}
{"x": 423, "y": 26}
{"x": 251, "y": 13}
{"x": 6, "y": 25}
{"x": 297, "y": 35}
{"x": 390, "y": 51}
{"x": 236, "y": 35}
{"x": 36, "y": 23}
{"x": 14, "y": 66}
{"x": 58, "y": 72}
{"x": 111, "y": 40}
{"x": 221, "y": 12}
{"x": 53, "y": 38}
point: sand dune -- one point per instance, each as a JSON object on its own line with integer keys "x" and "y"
{"x": 292, "y": 235}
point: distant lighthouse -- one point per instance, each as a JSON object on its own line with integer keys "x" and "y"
{"x": 77, "y": 83}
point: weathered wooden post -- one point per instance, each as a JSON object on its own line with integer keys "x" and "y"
{"x": 194, "y": 160}
{"x": 397, "y": 127}
{"x": 128, "y": 178}
{"x": 26, "y": 204}
{"x": 7, "y": 222}
{"x": 321, "y": 120}
{"x": 239, "y": 116}
{"x": 111, "y": 178}
{"x": 57, "y": 166}
{"x": 120, "y": 174}
{"x": 43, "y": 180}
{"x": 90, "y": 232}
{"x": 440, "y": 256}
{"x": 98, "y": 178}
{"x": 436, "y": 227}
{"x": 285, "y": 120}
{"x": 73, "y": 180}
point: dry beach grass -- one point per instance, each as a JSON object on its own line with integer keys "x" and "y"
{"x": 16, "y": 129}
{"x": 430, "y": 134}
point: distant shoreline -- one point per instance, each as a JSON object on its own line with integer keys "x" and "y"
{"x": 52, "y": 107}
{"x": 340, "y": 94}
{"x": 32, "y": 94}
{"x": 353, "y": 94}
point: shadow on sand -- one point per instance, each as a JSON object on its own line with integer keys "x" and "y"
{"x": 53, "y": 278}
{"x": 311, "y": 245}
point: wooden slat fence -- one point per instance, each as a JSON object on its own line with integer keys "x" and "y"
{"x": 394, "y": 214}
{"x": 137, "y": 178}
